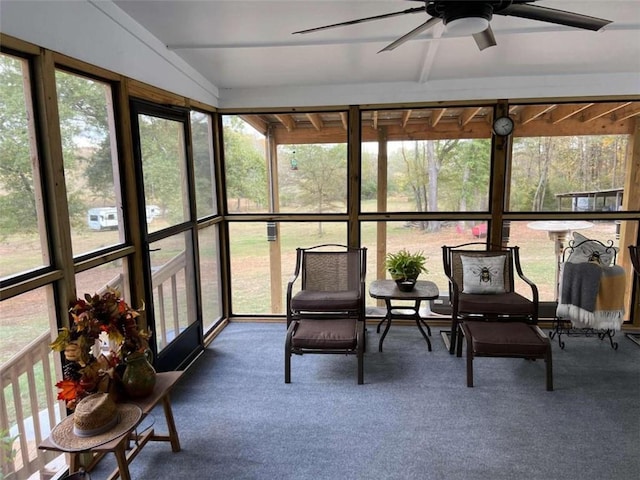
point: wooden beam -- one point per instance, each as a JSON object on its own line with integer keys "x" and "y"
{"x": 467, "y": 115}
{"x": 600, "y": 110}
{"x": 533, "y": 112}
{"x": 382, "y": 202}
{"x": 562, "y": 112}
{"x": 436, "y": 116}
{"x": 315, "y": 120}
{"x": 405, "y": 118}
{"x": 287, "y": 121}
{"x": 629, "y": 229}
{"x": 51, "y": 164}
{"x": 629, "y": 111}
{"x": 344, "y": 118}
{"x": 354, "y": 166}
{"x": 500, "y": 150}
{"x": 257, "y": 122}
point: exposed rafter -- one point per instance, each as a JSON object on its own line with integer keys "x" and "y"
{"x": 600, "y": 110}
{"x": 450, "y": 122}
{"x": 562, "y": 112}
{"x": 315, "y": 120}
{"x": 287, "y": 121}
{"x": 532, "y": 112}
{"x": 436, "y": 115}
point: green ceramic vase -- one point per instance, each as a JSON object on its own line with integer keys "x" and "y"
{"x": 139, "y": 376}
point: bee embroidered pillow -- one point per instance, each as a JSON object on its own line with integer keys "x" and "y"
{"x": 483, "y": 275}
{"x": 587, "y": 250}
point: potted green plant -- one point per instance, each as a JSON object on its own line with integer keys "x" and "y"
{"x": 405, "y": 267}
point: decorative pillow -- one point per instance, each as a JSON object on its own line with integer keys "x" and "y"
{"x": 587, "y": 250}
{"x": 483, "y": 275}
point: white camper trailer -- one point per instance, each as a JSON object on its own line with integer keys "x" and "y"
{"x": 103, "y": 218}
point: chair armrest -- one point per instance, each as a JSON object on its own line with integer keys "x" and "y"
{"x": 454, "y": 289}
{"x": 524, "y": 278}
{"x": 533, "y": 286}
{"x": 290, "y": 284}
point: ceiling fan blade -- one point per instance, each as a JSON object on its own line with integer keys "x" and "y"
{"x": 362, "y": 20}
{"x": 408, "y": 36}
{"x": 552, "y": 15}
{"x": 485, "y": 39}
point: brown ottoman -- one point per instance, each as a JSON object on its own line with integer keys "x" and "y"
{"x": 335, "y": 335}
{"x": 506, "y": 339}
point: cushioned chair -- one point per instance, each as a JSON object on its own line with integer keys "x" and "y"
{"x": 326, "y": 304}
{"x": 496, "y": 320}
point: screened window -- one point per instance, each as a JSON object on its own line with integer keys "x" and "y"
{"x": 22, "y": 226}
{"x": 562, "y": 162}
{"x": 426, "y": 160}
{"x": 263, "y": 258}
{"x": 210, "y": 275}
{"x": 203, "y": 159}
{"x": 91, "y": 168}
{"x": 164, "y": 171}
{"x": 279, "y": 163}
{"x": 173, "y": 290}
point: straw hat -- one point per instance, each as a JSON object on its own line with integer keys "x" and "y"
{"x": 96, "y": 420}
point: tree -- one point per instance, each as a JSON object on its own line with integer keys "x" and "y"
{"x": 465, "y": 176}
{"x": 245, "y": 165}
{"x": 423, "y": 166}
{"x": 319, "y": 181}
{"x": 17, "y": 202}
{"x": 82, "y": 113}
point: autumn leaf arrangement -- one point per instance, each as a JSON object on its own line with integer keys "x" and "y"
{"x": 101, "y": 319}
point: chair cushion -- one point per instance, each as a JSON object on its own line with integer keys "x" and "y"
{"x": 505, "y": 338}
{"x": 325, "y": 301}
{"x": 496, "y": 304}
{"x": 326, "y": 334}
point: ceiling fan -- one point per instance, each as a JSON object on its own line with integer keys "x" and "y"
{"x": 473, "y": 17}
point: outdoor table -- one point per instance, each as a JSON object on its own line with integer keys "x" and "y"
{"x": 558, "y": 231}
{"x": 388, "y": 291}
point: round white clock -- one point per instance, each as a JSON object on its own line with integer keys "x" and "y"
{"x": 503, "y": 126}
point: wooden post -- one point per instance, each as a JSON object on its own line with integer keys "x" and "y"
{"x": 353, "y": 161}
{"x": 629, "y": 229}
{"x": 381, "y": 227}
{"x": 500, "y": 149}
{"x": 275, "y": 248}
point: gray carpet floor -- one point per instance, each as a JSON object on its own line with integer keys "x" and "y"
{"x": 414, "y": 418}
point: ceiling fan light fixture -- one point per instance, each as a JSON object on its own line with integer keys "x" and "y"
{"x": 465, "y": 18}
{"x": 467, "y": 26}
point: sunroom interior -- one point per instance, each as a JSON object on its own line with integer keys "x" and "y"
{"x": 180, "y": 155}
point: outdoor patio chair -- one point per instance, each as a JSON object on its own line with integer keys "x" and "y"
{"x": 486, "y": 309}
{"x": 326, "y": 304}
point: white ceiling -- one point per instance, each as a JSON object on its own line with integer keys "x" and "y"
{"x": 247, "y": 52}
{"x": 242, "y": 44}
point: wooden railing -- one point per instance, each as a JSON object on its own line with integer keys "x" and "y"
{"x": 28, "y": 406}
{"x": 168, "y": 322}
